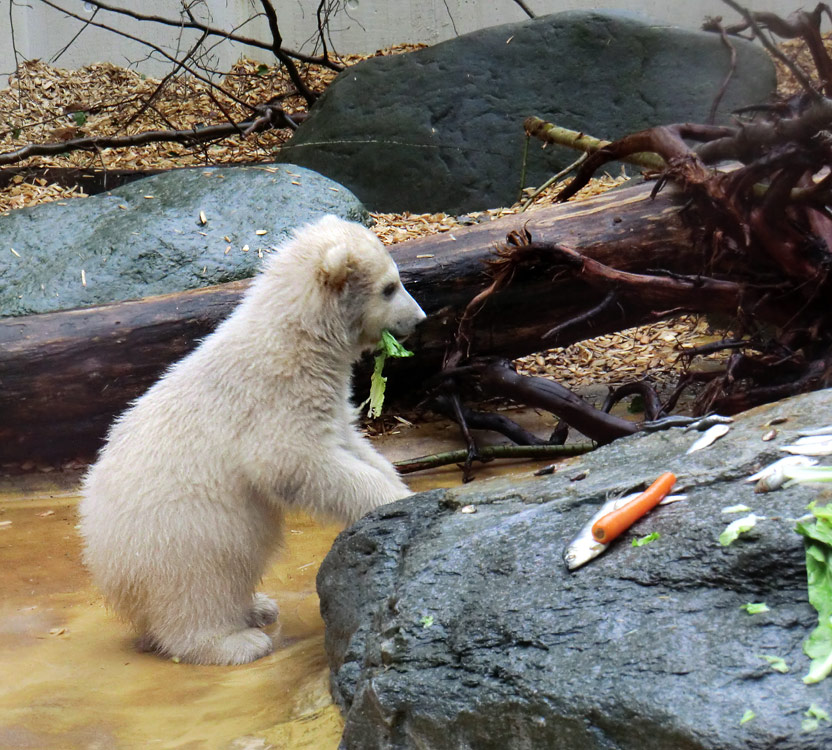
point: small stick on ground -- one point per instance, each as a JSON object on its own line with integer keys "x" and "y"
{"x": 489, "y": 452}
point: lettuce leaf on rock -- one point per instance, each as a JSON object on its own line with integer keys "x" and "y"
{"x": 814, "y": 716}
{"x": 818, "y": 540}
{"x": 735, "y": 528}
{"x": 646, "y": 539}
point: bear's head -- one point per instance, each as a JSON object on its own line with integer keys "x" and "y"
{"x": 357, "y": 271}
{"x": 335, "y": 281}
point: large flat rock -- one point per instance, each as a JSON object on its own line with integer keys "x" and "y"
{"x": 441, "y": 129}
{"x": 465, "y": 630}
{"x": 148, "y": 237}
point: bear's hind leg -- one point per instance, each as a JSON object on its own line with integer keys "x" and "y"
{"x": 210, "y": 625}
{"x": 263, "y": 611}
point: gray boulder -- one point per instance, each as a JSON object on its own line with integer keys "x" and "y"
{"x": 441, "y": 129}
{"x": 465, "y": 630}
{"x": 147, "y": 237}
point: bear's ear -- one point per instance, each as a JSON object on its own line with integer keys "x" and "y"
{"x": 336, "y": 266}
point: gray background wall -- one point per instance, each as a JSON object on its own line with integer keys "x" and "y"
{"x": 359, "y": 26}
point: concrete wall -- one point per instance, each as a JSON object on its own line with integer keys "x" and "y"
{"x": 359, "y": 26}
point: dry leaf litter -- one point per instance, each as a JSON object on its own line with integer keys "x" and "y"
{"x": 46, "y": 104}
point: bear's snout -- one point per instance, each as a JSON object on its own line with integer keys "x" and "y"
{"x": 408, "y": 316}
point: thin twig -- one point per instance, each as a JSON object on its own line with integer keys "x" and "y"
{"x": 288, "y": 63}
{"x": 526, "y": 9}
{"x": 554, "y": 179}
{"x": 471, "y": 453}
{"x": 57, "y": 56}
{"x": 15, "y": 53}
{"x": 732, "y": 66}
{"x": 523, "y": 166}
{"x": 605, "y": 304}
{"x": 158, "y": 90}
{"x": 321, "y": 30}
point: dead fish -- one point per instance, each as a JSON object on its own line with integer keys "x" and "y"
{"x": 772, "y": 476}
{"x": 812, "y": 439}
{"x": 670, "y": 499}
{"x": 711, "y": 435}
{"x": 815, "y": 431}
{"x": 770, "y": 435}
{"x": 705, "y": 423}
{"x": 583, "y": 546}
{"x": 814, "y": 445}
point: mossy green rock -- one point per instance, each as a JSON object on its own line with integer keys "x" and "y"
{"x": 148, "y": 237}
{"x": 441, "y": 128}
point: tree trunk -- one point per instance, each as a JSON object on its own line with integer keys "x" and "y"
{"x": 65, "y": 375}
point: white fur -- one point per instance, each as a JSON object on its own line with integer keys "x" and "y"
{"x": 184, "y": 506}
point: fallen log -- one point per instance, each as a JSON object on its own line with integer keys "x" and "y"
{"x": 65, "y": 375}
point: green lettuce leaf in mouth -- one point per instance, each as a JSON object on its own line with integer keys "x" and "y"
{"x": 388, "y": 346}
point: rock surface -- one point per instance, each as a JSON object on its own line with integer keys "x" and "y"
{"x": 147, "y": 237}
{"x": 441, "y": 129}
{"x": 465, "y": 630}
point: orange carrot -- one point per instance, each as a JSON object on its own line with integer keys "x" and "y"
{"x": 612, "y": 525}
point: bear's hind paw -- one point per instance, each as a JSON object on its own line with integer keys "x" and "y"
{"x": 241, "y": 647}
{"x": 263, "y": 611}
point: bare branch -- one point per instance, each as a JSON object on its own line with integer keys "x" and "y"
{"x": 526, "y": 9}
{"x": 723, "y": 35}
{"x": 57, "y": 56}
{"x": 277, "y": 41}
{"x": 196, "y": 74}
{"x": 609, "y": 301}
{"x": 201, "y": 135}
{"x": 139, "y": 112}
{"x": 14, "y": 40}
{"x": 213, "y": 31}
{"x": 751, "y": 20}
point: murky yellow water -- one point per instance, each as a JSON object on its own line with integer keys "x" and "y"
{"x": 71, "y": 678}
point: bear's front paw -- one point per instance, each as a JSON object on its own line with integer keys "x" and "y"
{"x": 263, "y": 611}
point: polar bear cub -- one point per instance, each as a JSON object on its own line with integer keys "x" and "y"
{"x": 181, "y": 511}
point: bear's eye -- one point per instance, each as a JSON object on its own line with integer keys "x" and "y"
{"x": 389, "y": 290}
